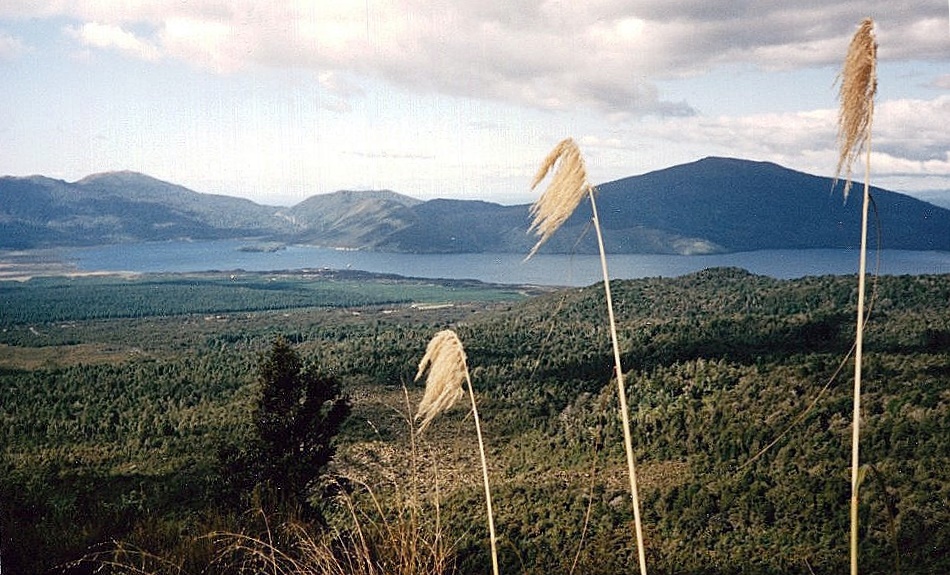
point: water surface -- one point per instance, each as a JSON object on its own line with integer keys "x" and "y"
{"x": 543, "y": 269}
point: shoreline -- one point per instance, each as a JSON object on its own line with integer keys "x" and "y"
{"x": 24, "y": 265}
{"x": 31, "y": 268}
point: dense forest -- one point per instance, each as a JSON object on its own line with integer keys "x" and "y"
{"x": 120, "y": 400}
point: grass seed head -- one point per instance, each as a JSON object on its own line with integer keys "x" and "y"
{"x": 857, "y": 87}
{"x": 567, "y": 188}
{"x": 445, "y": 361}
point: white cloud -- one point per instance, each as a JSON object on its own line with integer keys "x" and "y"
{"x": 601, "y": 54}
{"x": 909, "y": 139}
{"x": 913, "y": 129}
{"x": 604, "y": 71}
{"x": 338, "y": 90}
{"x": 109, "y": 36}
{"x": 206, "y": 43}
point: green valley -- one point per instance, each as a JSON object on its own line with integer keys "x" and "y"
{"x": 121, "y": 398}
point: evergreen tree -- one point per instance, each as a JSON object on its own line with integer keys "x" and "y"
{"x": 298, "y": 413}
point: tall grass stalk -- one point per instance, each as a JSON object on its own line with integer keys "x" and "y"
{"x": 568, "y": 187}
{"x": 445, "y": 361}
{"x": 858, "y": 86}
{"x": 374, "y": 543}
{"x": 125, "y": 558}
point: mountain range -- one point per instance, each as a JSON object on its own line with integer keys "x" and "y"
{"x": 713, "y": 205}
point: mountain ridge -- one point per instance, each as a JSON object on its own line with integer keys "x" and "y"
{"x": 711, "y": 205}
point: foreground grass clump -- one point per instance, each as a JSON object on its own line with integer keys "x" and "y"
{"x": 403, "y": 541}
{"x": 370, "y": 541}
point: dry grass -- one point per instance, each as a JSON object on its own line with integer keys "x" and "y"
{"x": 445, "y": 361}
{"x": 374, "y": 543}
{"x": 564, "y": 193}
{"x": 408, "y": 541}
{"x": 127, "y": 559}
{"x": 399, "y": 533}
{"x": 858, "y": 86}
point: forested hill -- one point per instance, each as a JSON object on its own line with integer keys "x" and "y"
{"x": 713, "y": 205}
{"x": 124, "y": 420}
{"x": 118, "y": 207}
{"x": 740, "y": 205}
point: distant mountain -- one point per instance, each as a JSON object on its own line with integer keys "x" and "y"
{"x": 351, "y": 219}
{"x": 462, "y": 226}
{"x": 728, "y": 205}
{"x": 713, "y": 205}
{"x": 217, "y": 211}
{"x": 122, "y": 207}
{"x": 739, "y": 205}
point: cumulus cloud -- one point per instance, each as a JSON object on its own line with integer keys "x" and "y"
{"x": 915, "y": 130}
{"x": 606, "y": 57}
{"x": 602, "y": 54}
{"x": 909, "y": 138}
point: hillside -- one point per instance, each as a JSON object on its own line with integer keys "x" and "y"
{"x": 462, "y": 226}
{"x": 122, "y": 207}
{"x": 117, "y": 417}
{"x": 351, "y": 219}
{"x": 713, "y": 205}
{"x": 219, "y": 212}
{"x": 742, "y": 205}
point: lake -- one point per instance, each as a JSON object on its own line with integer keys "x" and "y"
{"x": 543, "y": 269}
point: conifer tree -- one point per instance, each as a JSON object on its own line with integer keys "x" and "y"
{"x": 297, "y": 416}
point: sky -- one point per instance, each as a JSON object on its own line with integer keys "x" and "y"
{"x": 278, "y": 100}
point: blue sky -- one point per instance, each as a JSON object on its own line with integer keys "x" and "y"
{"x": 280, "y": 100}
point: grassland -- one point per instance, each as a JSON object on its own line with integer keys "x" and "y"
{"x": 117, "y": 396}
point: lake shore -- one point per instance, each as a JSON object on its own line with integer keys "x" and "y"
{"x": 22, "y": 266}
{"x": 497, "y": 268}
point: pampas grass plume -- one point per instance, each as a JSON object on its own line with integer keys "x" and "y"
{"x": 567, "y": 188}
{"x": 858, "y": 85}
{"x": 445, "y": 361}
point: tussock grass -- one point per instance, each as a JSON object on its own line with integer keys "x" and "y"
{"x": 399, "y": 533}
{"x": 856, "y": 91}
{"x": 858, "y": 86}
{"x": 447, "y": 369}
{"x": 374, "y": 543}
{"x": 568, "y": 187}
{"x": 445, "y": 361}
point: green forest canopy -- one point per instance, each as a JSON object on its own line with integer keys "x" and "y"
{"x": 114, "y": 435}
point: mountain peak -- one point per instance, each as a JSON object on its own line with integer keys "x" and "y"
{"x": 364, "y": 195}
{"x": 731, "y": 163}
{"x": 118, "y": 177}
